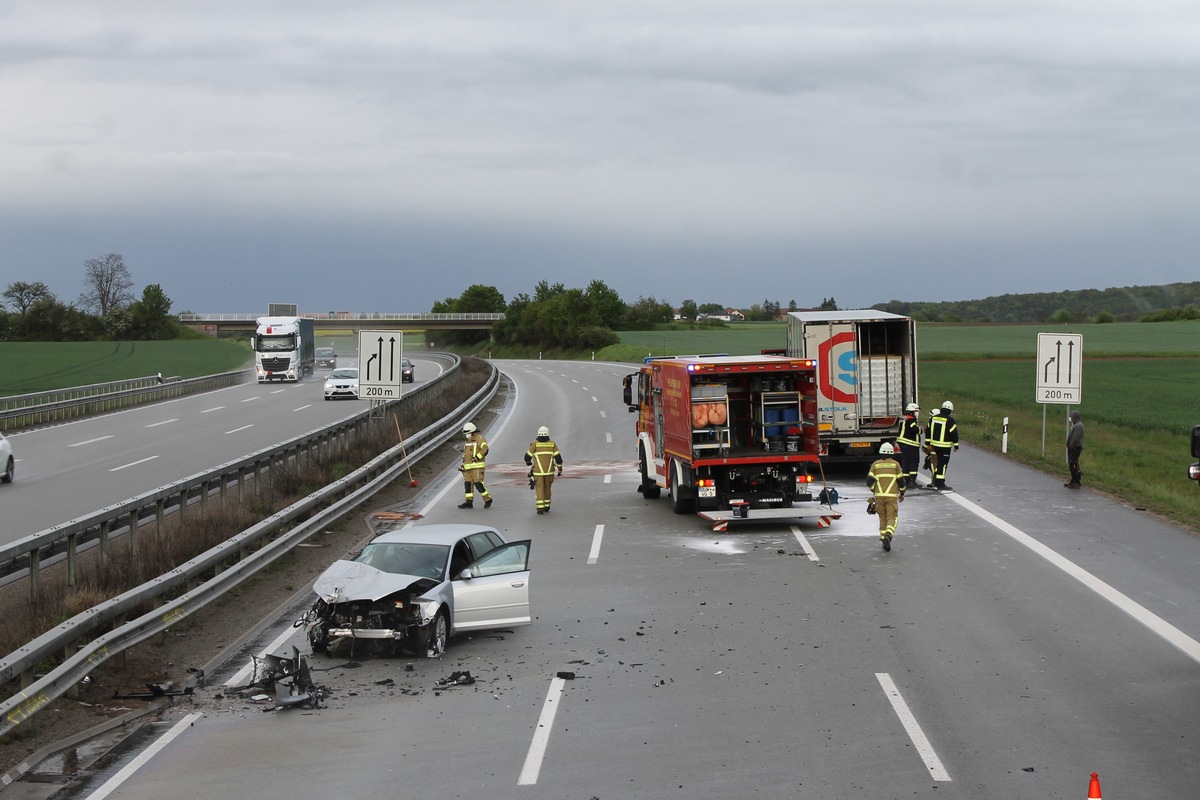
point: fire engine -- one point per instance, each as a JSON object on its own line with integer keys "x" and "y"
{"x": 730, "y": 437}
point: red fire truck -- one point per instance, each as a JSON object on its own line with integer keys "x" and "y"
{"x": 730, "y": 437}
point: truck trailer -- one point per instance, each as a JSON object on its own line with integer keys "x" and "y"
{"x": 284, "y": 349}
{"x": 730, "y": 437}
{"x": 866, "y": 376}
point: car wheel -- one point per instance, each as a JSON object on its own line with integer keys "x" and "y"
{"x": 650, "y": 489}
{"x": 432, "y": 640}
{"x": 9, "y": 471}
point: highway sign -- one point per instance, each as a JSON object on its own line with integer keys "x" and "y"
{"x": 1060, "y": 368}
{"x": 380, "y": 354}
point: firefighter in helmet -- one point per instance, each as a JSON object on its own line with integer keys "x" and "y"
{"x": 909, "y": 442}
{"x": 474, "y": 453}
{"x": 886, "y": 481}
{"x": 943, "y": 438}
{"x": 544, "y": 460}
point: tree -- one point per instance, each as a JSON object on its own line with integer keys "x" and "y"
{"x": 108, "y": 283}
{"x": 828, "y": 304}
{"x": 23, "y": 294}
{"x": 150, "y": 316}
{"x": 646, "y": 313}
{"x": 688, "y": 310}
{"x": 607, "y": 303}
{"x": 792, "y": 305}
{"x": 475, "y": 299}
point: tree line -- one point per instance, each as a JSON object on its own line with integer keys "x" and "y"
{"x": 106, "y": 310}
{"x": 1124, "y": 304}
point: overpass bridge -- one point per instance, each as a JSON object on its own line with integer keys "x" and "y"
{"x": 226, "y": 325}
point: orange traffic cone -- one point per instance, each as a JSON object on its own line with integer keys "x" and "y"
{"x": 1094, "y": 787}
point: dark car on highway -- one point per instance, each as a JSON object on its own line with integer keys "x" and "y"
{"x": 406, "y": 371}
{"x": 326, "y": 358}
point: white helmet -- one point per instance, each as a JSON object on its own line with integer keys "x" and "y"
{"x": 543, "y": 431}
{"x": 948, "y": 406}
{"x": 886, "y": 449}
{"x": 912, "y": 407}
{"x": 469, "y": 428}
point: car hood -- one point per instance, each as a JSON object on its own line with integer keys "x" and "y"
{"x": 345, "y": 581}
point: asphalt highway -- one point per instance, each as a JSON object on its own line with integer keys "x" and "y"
{"x": 1017, "y": 638}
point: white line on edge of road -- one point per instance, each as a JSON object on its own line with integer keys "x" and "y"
{"x": 541, "y": 736}
{"x": 1189, "y": 646}
{"x": 924, "y": 748}
{"x": 126, "y": 771}
{"x": 812, "y": 554}
{"x": 597, "y": 537}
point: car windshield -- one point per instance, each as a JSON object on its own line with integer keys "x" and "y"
{"x": 344, "y": 373}
{"x": 325, "y": 352}
{"x": 422, "y": 560}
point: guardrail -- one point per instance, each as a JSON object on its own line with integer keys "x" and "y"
{"x": 310, "y": 515}
{"x": 80, "y": 401}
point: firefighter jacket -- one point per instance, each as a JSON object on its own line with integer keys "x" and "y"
{"x": 910, "y": 432}
{"x": 543, "y": 456}
{"x": 886, "y": 478}
{"x": 943, "y": 431}
{"x": 475, "y": 452}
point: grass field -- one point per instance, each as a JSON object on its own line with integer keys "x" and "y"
{"x": 38, "y": 366}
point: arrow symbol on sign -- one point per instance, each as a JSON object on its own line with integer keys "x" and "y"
{"x": 392, "y": 360}
{"x": 1070, "y": 360}
{"x": 1058, "y": 361}
{"x": 1046, "y": 370}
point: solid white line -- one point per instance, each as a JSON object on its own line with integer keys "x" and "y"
{"x": 239, "y": 430}
{"x": 812, "y": 554}
{"x": 1189, "y": 646}
{"x": 597, "y": 537}
{"x": 541, "y": 736}
{"x": 133, "y": 766}
{"x": 932, "y": 762}
{"x": 89, "y": 441}
{"x": 134, "y": 464}
{"x": 164, "y": 422}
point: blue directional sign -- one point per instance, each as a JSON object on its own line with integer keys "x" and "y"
{"x": 1060, "y": 368}
{"x": 380, "y": 354}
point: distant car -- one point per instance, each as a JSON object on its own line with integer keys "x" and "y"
{"x": 406, "y": 371}
{"x": 415, "y": 588}
{"x": 6, "y": 460}
{"x": 326, "y": 358}
{"x": 1193, "y": 470}
{"x": 342, "y": 382}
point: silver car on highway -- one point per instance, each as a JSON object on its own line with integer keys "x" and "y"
{"x": 7, "y": 461}
{"x": 414, "y": 588}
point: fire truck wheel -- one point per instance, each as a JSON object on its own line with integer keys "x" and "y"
{"x": 680, "y": 505}
{"x": 650, "y": 489}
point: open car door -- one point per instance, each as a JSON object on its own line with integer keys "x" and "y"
{"x": 496, "y": 592}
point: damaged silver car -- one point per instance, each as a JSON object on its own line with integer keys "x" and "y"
{"x": 412, "y": 589}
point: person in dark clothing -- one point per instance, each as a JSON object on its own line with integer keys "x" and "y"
{"x": 1074, "y": 449}
{"x": 909, "y": 442}
{"x": 943, "y": 438}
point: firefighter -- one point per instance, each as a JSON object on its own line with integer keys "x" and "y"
{"x": 474, "y": 453}
{"x": 543, "y": 458}
{"x": 909, "y": 441}
{"x": 886, "y": 481}
{"x": 943, "y": 438}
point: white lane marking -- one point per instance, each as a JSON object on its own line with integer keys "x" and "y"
{"x": 812, "y": 554}
{"x": 249, "y": 399}
{"x": 239, "y": 430}
{"x": 608, "y": 478}
{"x": 1189, "y": 646}
{"x": 90, "y": 441}
{"x": 214, "y": 408}
{"x": 277, "y": 391}
{"x": 127, "y": 771}
{"x": 134, "y": 464}
{"x": 301, "y": 408}
{"x": 597, "y": 537}
{"x": 164, "y": 422}
{"x": 932, "y": 762}
{"x": 603, "y": 414}
{"x": 541, "y": 736}
{"x": 608, "y": 438}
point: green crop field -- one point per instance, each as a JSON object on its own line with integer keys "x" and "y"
{"x": 38, "y": 366}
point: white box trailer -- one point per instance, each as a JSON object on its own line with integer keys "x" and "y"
{"x": 866, "y": 375}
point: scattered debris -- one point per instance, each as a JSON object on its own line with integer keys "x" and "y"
{"x": 566, "y": 676}
{"x": 457, "y": 679}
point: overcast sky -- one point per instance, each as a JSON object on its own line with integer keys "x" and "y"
{"x": 381, "y": 156}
